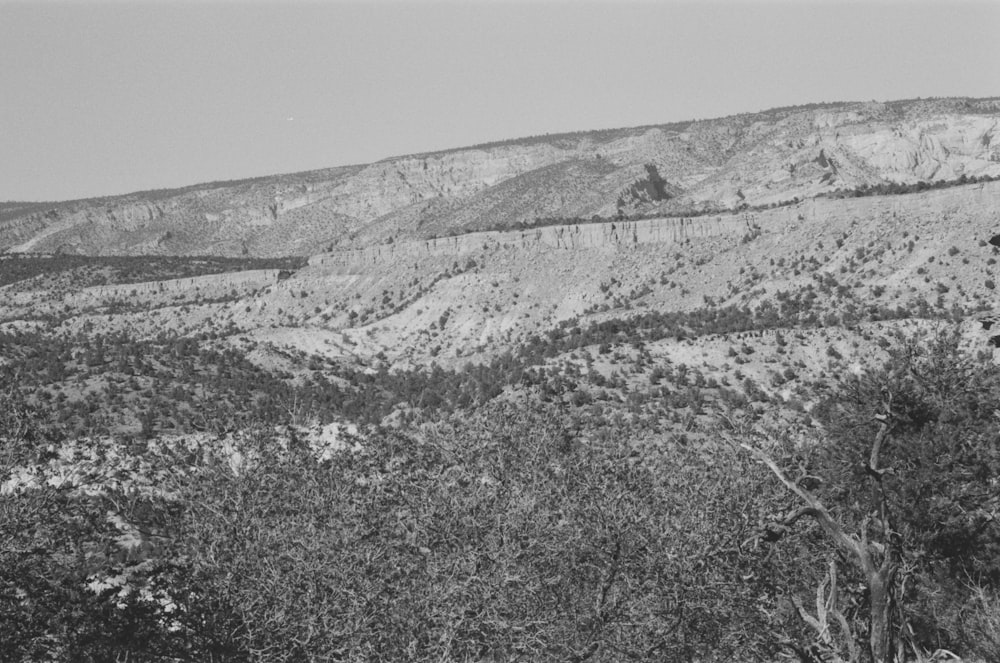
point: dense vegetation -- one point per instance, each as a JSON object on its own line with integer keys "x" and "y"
{"x": 100, "y": 383}
{"x": 511, "y": 533}
{"x": 899, "y": 188}
{"x": 904, "y": 491}
{"x": 85, "y": 271}
{"x": 477, "y": 539}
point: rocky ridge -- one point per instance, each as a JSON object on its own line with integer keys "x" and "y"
{"x": 746, "y": 160}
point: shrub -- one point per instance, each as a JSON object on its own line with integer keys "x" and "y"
{"x": 491, "y": 538}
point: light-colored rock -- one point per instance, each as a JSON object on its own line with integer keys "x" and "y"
{"x": 757, "y": 159}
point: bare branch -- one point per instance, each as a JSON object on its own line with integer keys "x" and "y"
{"x": 883, "y": 433}
{"x": 814, "y": 507}
{"x": 818, "y": 512}
{"x": 778, "y": 472}
{"x": 777, "y": 529}
{"x": 791, "y": 518}
{"x": 826, "y": 608}
{"x": 885, "y": 427}
{"x": 822, "y": 606}
{"x": 806, "y": 617}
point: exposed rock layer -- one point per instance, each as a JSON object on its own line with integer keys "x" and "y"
{"x": 977, "y": 199}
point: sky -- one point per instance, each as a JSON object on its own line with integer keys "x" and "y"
{"x": 107, "y": 98}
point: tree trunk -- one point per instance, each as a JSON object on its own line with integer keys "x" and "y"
{"x": 882, "y": 603}
{"x": 881, "y": 578}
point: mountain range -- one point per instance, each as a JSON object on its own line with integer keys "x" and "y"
{"x": 753, "y": 160}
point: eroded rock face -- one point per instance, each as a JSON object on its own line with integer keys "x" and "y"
{"x": 980, "y": 200}
{"x": 755, "y": 160}
{"x": 42, "y": 228}
{"x": 941, "y": 148}
{"x": 390, "y": 185}
{"x": 609, "y": 235}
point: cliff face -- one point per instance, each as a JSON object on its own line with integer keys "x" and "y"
{"x": 612, "y": 235}
{"x": 980, "y": 200}
{"x": 42, "y": 229}
{"x": 754, "y": 159}
{"x": 933, "y": 149}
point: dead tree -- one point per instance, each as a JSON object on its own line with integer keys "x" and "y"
{"x": 875, "y": 551}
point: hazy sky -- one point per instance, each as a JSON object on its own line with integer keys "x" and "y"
{"x": 114, "y": 97}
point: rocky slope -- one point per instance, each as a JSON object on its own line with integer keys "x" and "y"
{"x": 459, "y": 298}
{"x": 752, "y": 159}
{"x": 475, "y": 296}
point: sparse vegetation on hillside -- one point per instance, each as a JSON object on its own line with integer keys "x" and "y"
{"x": 173, "y": 383}
{"x": 48, "y": 271}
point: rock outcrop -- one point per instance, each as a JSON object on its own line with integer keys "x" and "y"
{"x": 619, "y": 235}
{"x": 982, "y": 200}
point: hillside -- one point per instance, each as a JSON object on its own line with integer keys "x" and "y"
{"x": 821, "y": 266}
{"x": 754, "y": 160}
{"x": 637, "y": 394}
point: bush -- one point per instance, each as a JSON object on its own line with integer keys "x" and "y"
{"x": 494, "y": 537}
{"x": 88, "y": 575}
{"x": 501, "y": 537}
